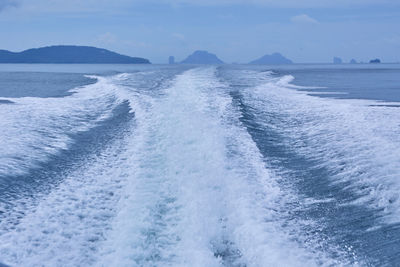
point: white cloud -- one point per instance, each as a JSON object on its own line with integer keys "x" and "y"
{"x": 107, "y": 38}
{"x": 303, "y": 18}
{"x": 179, "y": 36}
{"x": 136, "y": 44}
{"x": 394, "y": 39}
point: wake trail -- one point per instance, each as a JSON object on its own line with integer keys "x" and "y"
{"x": 64, "y": 225}
{"x": 184, "y": 185}
{"x": 200, "y": 194}
{"x": 339, "y": 156}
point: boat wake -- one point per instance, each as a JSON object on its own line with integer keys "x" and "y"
{"x": 182, "y": 181}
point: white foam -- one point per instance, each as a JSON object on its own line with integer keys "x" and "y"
{"x": 66, "y": 227}
{"x": 34, "y": 128}
{"x": 200, "y": 184}
{"x": 358, "y": 140}
{"x": 187, "y": 187}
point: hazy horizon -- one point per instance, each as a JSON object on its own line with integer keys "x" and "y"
{"x": 236, "y": 31}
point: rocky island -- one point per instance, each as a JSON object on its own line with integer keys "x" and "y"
{"x": 375, "y": 61}
{"x": 274, "y": 59}
{"x": 202, "y": 57}
{"x": 337, "y": 60}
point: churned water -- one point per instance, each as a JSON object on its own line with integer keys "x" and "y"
{"x": 199, "y": 165}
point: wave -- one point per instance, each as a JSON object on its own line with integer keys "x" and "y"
{"x": 68, "y": 221}
{"x": 200, "y": 194}
{"x": 357, "y": 140}
{"x": 185, "y": 185}
{"x": 34, "y": 129}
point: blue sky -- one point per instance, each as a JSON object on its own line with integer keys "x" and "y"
{"x": 306, "y": 31}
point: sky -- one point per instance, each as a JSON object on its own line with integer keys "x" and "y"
{"x": 305, "y": 31}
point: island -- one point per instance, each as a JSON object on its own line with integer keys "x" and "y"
{"x": 375, "y": 61}
{"x": 353, "y": 61}
{"x": 171, "y": 60}
{"x": 337, "y": 60}
{"x": 202, "y": 57}
{"x": 69, "y": 54}
{"x": 274, "y": 59}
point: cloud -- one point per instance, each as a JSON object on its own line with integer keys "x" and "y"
{"x": 107, "y": 38}
{"x": 8, "y": 3}
{"x": 279, "y": 3}
{"x": 93, "y": 6}
{"x": 72, "y": 6}
{"x": 136, "y": 44}
{"x": 303, "y": 18}
{"x": 394, "y": 39}
{"x": 179, "y": 36}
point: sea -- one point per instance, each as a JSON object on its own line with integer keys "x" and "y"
{"x": 181, "y": 165}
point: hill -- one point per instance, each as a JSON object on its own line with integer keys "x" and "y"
{"x": 202, "y": 57}
{"x": 337, "y": 60}
{"x": 69, "y": 54}
{"x": 375, "y": 61}
{"x": 274, "y": 59}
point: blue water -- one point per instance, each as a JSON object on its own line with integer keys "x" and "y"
{"x": 118, "y": 165}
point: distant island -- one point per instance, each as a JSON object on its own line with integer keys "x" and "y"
{"x": 171, "y": 60}
{"x": 375, "y": 61}
{"x": 69, "y": 54}
{"x": 337, "y": 60}
{"x": 274, "y": 59}
{"x": 202, "y": 57}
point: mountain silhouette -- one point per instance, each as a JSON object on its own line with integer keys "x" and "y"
{"x": 69, "y": 54}
{"x": 275, "y": 58}
{"x": 202, "y": 57}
